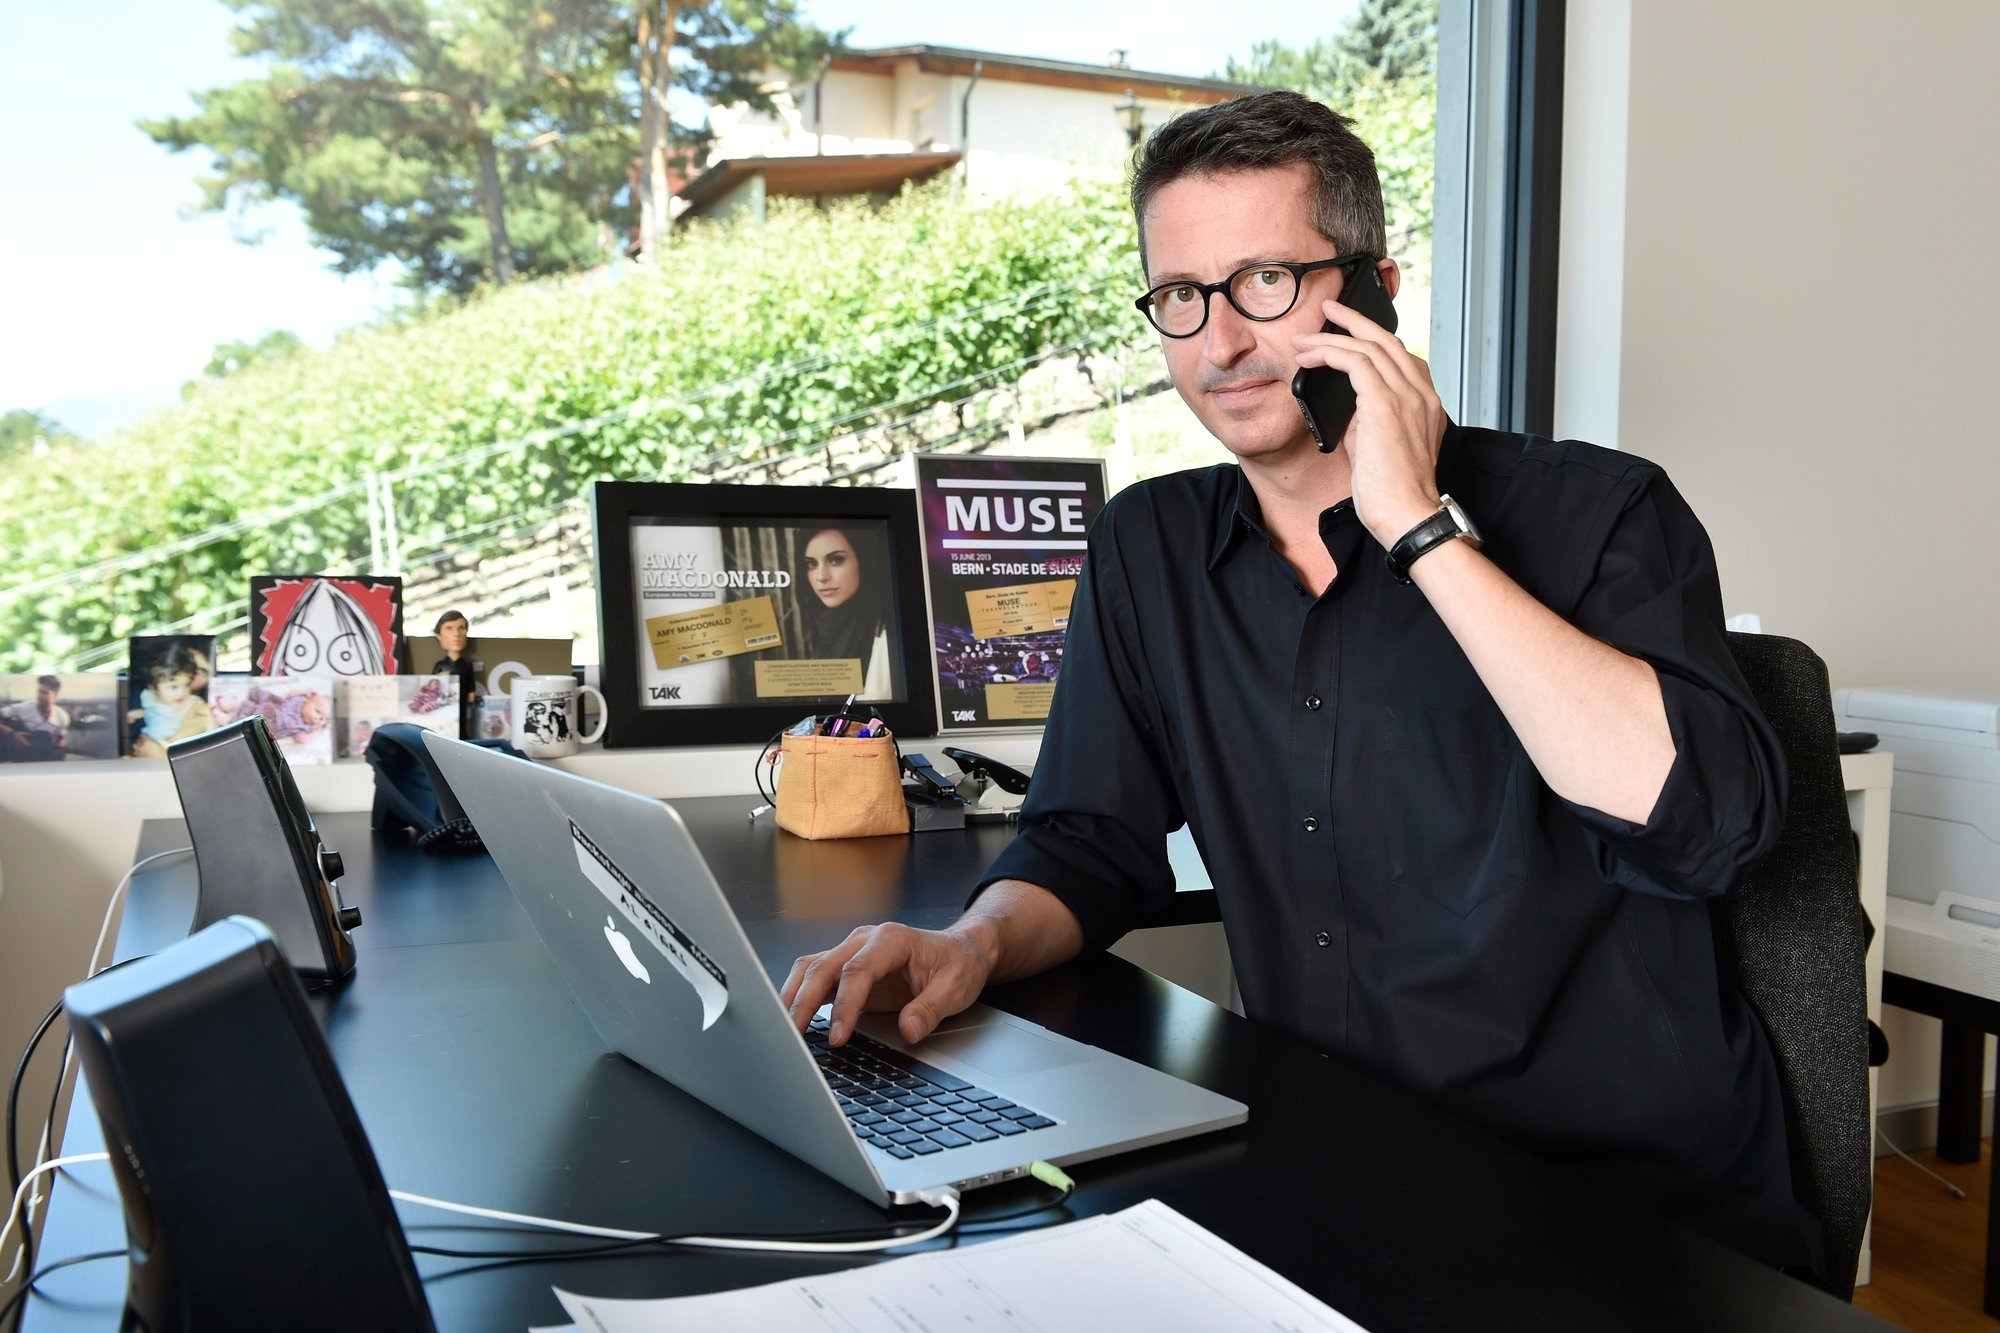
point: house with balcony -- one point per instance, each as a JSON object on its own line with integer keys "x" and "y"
{"x": 870, "y": 120}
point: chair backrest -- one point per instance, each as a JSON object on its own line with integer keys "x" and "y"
{"x": 1793, "y": 932}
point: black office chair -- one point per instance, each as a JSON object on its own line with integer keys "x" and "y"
{"x": 1794, "y": 934}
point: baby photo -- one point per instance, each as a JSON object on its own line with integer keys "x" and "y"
{"x": 168, "y": 688}
{"x": 363, "y": 703}
{"x": 297, "y": 711}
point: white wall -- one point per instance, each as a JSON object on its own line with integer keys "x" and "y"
{"x": 857, "y": 106}
{"x": 857, "y": 115}
{"x": 926, "y": 105}
{"x": 1788, "y": 300}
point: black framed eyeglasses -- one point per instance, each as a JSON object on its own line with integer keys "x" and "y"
{"x": 1262, "y": 291}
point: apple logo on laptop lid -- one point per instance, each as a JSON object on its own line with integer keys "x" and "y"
{"x": 623, "y": 948}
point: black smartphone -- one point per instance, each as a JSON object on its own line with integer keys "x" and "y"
{"x": 1326, "y": 395}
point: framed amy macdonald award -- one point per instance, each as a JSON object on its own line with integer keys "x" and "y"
{"x": 726, "y": 613}
{"x": 1003, "y": 543}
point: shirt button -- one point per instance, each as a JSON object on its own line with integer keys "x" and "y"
{"x": 1322, "y": 939}
{"x": 1312, "y": 703}
{"x": 1310, "y": 823}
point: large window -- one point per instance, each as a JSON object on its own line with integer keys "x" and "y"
{"x": 1500, "y": 74}
{"x": 925, "y": 248}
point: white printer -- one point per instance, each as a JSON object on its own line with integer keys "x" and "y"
{"x": 1944, "y": 832}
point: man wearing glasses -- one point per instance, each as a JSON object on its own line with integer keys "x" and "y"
{"x": 1449, "y": 713}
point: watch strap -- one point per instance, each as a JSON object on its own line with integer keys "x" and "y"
{"x": 1426, "y": 536}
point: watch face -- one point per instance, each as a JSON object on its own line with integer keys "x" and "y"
{"x": 1458, "y": 518}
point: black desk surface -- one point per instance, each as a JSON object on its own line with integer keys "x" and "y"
{"x": 479, "y": 1080}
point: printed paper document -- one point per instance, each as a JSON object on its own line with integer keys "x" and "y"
{"x": 1146, "y": 1267}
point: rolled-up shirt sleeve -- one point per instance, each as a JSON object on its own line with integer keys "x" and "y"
{"x": 1102, "y": 800}
{"x": 1654, "y": 593}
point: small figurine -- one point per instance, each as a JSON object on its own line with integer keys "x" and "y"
{"x": 454, "y": 636}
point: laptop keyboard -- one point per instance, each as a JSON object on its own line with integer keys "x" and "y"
{"x": 907, "y": 1108}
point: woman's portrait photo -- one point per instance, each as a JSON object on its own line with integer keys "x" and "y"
{"x": 846, "y": 574}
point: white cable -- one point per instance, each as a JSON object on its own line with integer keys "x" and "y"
{"x": 945, "y": 1198}
{"x": 1954, "y": 1190}
{"x": 26, "y": 1183}
{"x": 91, "y": 969}
{"x": 525, "y": 1219}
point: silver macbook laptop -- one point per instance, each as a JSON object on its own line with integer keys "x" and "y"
{"x": 626, "y": 905}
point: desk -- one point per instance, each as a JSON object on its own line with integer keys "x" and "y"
{"x": 1966, "y": 1019}
{"x": 478, "y": 1079}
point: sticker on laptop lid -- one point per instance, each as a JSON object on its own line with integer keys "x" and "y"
{"x": 651, "y": 924}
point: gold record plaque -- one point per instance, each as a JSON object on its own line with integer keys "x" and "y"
{"x": 728, "y": 612}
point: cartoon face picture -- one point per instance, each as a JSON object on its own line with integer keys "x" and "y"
{"x": 325, "y": 626}
{"x": 328, "y": 631}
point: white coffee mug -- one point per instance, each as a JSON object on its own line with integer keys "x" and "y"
{"x": 547, "y": 721}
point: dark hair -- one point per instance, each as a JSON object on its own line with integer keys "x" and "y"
{"x": 447, "y": 618}
{"x": 849, "y": 630}
{"x": 50, "y": 683}
{"x": 1274, "y": 129}
{"x": 178, "y": 660}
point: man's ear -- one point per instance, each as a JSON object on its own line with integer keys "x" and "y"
{"x": 1392, "y": 277}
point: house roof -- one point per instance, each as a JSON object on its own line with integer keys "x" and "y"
{"x": 834, "y": 173}
{"x": 1112, "y": 79}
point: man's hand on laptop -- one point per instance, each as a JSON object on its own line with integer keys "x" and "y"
{"x": 927, "y": 974}
{"x": 1012, "y": 930}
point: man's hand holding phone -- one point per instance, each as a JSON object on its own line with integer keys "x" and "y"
{"x": 1325, "y": 395}
{"x": 1397, "y": 424}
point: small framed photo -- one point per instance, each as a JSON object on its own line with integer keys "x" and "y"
{"x": 726, "y": 613}
{"x": 46, "y": 717}
{"x": 167, "y": 697}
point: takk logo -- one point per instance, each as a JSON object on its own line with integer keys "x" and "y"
{"x": 623, "y": 948}
{"x": 965, "y": 714}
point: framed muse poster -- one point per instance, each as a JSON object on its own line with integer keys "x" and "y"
{"x": 726, "y": 613}
{"x": 1004, "y": 540}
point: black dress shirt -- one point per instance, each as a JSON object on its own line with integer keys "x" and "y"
{"x": 1397, "y": 882}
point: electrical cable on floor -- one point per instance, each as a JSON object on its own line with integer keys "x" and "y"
{"x": 1956, "y": 1192}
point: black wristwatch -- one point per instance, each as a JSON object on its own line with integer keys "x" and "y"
{"x": 1448, "y": 522}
